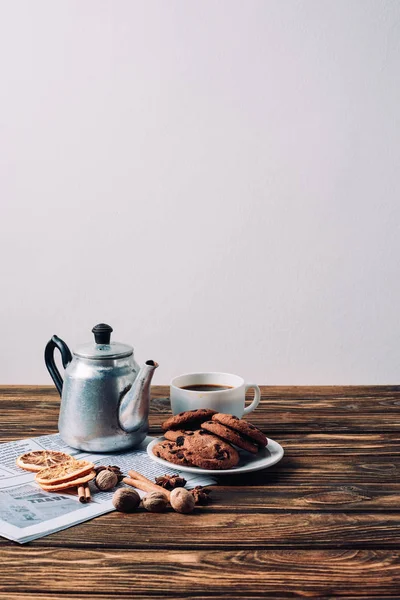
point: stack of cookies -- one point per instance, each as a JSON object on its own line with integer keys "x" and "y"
{"x": 207, "y": 439}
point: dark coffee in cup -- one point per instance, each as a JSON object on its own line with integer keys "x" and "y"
{"x": 206, "y": 387}
{"x": 222, "y": 392}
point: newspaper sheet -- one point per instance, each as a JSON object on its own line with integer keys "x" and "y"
{"x": 27, "y": 512}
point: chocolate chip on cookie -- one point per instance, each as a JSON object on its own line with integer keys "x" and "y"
{"x": 242, "y": 427}
{"x": 190, "y": 419}
{"x": 173, "y": 434}
{"x": 231, "y": 435}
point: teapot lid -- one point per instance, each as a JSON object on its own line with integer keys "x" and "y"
{"x": 103, "y": 348}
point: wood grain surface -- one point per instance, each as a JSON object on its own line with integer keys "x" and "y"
{"x": 323, "y": 523}
{"x": 191, "y": 573}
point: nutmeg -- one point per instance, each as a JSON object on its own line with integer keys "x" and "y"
{"x": 181, "y": 500}
{"x": 155, "y": 502}
{"x": 113, "y": 468}
{"x": 106, "y": 480}
{"x": 126, "y": 500}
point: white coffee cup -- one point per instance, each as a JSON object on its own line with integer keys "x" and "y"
{"x": 230, "y": 400}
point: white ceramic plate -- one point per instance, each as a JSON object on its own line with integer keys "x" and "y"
{"x": 248, "y": 462}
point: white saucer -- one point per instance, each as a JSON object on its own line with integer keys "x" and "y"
{"x": 248, "y": 462}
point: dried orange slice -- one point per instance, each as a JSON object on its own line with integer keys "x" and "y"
{"x": 69, "y": 484}
{"x": 39, "y": 459}
{"x": 67, "y": 471}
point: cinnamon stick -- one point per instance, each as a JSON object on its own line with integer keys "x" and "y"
{"x": 81, "y": 494}
{"x": 88, "y": 497}
{"x": 137, "y": 475}
{"x": 145, "y": 485}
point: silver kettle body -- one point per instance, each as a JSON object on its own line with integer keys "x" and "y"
{"x": 105, "y": 395}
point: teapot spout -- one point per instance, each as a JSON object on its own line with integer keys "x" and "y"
{"x": 134, "y": 406}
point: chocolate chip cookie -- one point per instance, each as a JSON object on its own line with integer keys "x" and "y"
{"x": 207, "y": 451}
{"x": 231, "y": 435}
{"x": 205, "y": 445}
{"x": 243, "y": 427}
{"x": 198, "y": 448}
{"x": 171, "y": 452}
{"x": 190, "y": 419}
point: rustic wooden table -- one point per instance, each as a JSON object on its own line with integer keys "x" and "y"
{"x": 324, "y": 522}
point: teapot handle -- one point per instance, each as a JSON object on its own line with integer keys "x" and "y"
{"x": 66, "y": 358}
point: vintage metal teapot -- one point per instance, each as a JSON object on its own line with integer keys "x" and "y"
{"x": 105, "y": 395}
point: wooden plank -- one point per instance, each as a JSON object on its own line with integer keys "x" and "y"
{"x": 320, "y": 470}
{"x": 380, "y": 392}
{"x": 44, "y": 421}
{"x": 311, "y": 415}
{"x": 363, "y": 594}
{"x": 267, "y": 391}
{"x": 344, "y": 498}
{"x": 189, "y": 573}
{"x": 323, "y": 444}
{"x": 157, "y": 595}
{"x": 371, "y": 445}
{"x": 281, "y": 422}
{"x": 313, "y": 409}
{"x": 228, "y": 530}
{"x": 282, "y": 409}
{"x": 371, "y": 398}
{"x": 248, "y": 595}
{"x": 316, "y": 471}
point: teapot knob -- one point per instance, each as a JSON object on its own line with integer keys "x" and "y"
{"x": 102, "y": 333}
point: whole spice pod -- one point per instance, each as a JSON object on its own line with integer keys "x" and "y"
{"x": 126, "y": 500}
{"x": 155, "y": 502}
{"x": 170, "y": 482}
{"x": 118, "y": 472}
{"x": 201, "y": 495}
{"x": 106, "y": 480}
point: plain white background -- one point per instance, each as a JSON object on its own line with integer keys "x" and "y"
{"x": 217, "y": 179}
